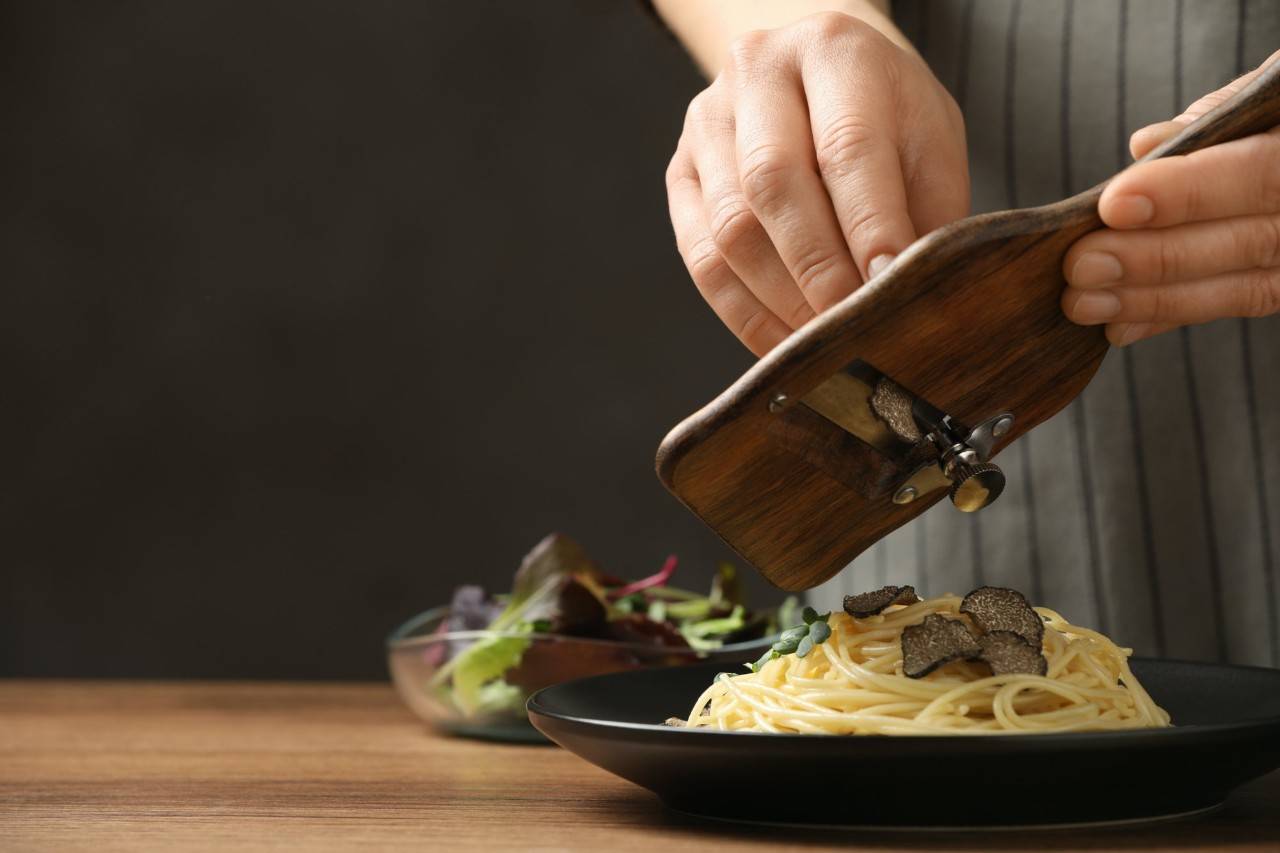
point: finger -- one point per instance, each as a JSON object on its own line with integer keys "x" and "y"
{"x": 1236, "y": 178}
{"x": 1123, "y": 334}
{"x": 737, "y": 308}
{"x": 938, "y": 175}
{"x": 780, "y": 178}
{"x": 851, "y": 111}
{"x": 1147, "y": 138}
{"x": 1166, "y": 255}
{"x": 1252, "y": 293}
{"x": 1216, "y": 98}
{"x": 731, "y": 222}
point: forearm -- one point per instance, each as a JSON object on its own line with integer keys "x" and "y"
{"x": 708, "y": 27}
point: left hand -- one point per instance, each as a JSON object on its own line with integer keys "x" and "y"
{"x": 1189, "y": 239}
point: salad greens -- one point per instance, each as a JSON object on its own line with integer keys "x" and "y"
{"x": 477, "y": 683}
{"x": 558, "y": 590}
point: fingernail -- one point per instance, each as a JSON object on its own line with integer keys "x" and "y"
{"x": 1095, "y": 306}
{"x": 1130, "y": 210}
{"x": 878, "y": 263}
{"x": 1096, "y": 268}
{"x": 1124, "y": 334}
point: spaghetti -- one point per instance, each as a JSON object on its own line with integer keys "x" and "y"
{"x": 853, "y": 684}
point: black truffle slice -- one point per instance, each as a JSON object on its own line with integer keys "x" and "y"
{"x": 1008, "y": 653}
{"x": 995, "y": 608}
{"x": 934, "y": 642}
{"x": 871, "y": 603}
{"x": 675, "y": 722}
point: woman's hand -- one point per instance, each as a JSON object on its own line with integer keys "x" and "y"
{"x": 821, "y": 151}
{"x": 1189, "y": 239}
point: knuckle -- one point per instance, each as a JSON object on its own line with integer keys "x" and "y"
{"x": 798, "y": 315}
{"x": 701, "y": 110}
{"x": 708, "y": 115}
{"x": 676, "y": 170}
{"x": 813, "y": 268}
{"x": 706, "y": 265}
{"x": 697, "y": 109}
{"x": 766, "y": 175}
{"x": 732, "y": 224}
{"x": 1161, "y": 305}
{"x": 1256, "y": 241}
{"x": 746, "y": 50}
{"x": 1192, "y": 200}
{"x": 751, "y": 330}
{"x": 1260, "y": 294}
{"x": 840, "y": 146}
{"x": 1268, "y": 248}
{"x": 830, "y": 24}
{"x": 1166, "y": 260}
{"x": 864, "y": 227}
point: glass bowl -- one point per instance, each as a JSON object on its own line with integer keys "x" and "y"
{"x": 418, "y": 654}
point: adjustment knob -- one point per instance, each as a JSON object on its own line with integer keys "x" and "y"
{"x": 975, "y": 485}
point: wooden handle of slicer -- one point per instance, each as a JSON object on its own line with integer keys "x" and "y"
{"x": 1254, "y": 109}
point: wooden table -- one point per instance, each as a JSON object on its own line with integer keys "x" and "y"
{"x": 146, "y": 766}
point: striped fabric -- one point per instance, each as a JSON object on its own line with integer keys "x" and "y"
{"x": 1149, "y": 508}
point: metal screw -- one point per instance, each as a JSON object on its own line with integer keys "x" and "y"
{"x": 778, "y": 403}
{"x": 905, "y": 495}
{"x": 1002, "y": 426}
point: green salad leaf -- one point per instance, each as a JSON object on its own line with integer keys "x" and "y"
{"x": 480, "y": 665}
{"x": 726, "y": 587}
{"x": 699, "y": 634}
{"x": 499, "y": 696}
{"x": 552, "y": 587}
{"x": 540, "y": 580}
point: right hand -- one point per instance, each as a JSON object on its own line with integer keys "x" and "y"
{"x": 819, "y": 153}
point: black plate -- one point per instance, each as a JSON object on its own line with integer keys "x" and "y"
{"x": 1227, "y": 731}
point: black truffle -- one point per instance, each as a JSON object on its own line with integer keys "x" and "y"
{"x": 1008, "y": 653}
{"x": 675, "y": 722}
{"x": 871, "y": 603}
{"x": 995, "y": 608}
{"x": 934, "y": 642}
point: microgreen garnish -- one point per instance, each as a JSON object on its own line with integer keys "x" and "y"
{"x": 809, "y": 615}
{"x": 799, "y": 640}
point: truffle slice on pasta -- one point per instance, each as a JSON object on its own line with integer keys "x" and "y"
{"x": 1008, "y": 653}
{"x": 934, "y": 642}
{"x": 997, "y": 608}
{"x": 871, "y": 603}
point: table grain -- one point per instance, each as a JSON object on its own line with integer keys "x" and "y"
{"x": 108, "y": 766}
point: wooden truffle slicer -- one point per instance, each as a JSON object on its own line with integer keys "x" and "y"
{"x": 904, "y": 391}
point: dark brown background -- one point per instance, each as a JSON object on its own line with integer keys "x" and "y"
{"x": 312, "y": 311}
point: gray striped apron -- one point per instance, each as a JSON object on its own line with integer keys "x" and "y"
{"x": 1150, "y": 507}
